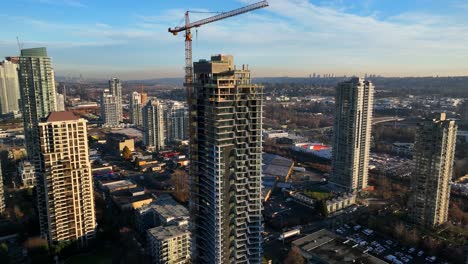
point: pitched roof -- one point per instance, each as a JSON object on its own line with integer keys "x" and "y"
{"x": 61, "y": 116}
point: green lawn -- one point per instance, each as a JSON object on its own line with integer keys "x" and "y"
{"x": 318, "y": 195}
{"x": 99, "y": 257}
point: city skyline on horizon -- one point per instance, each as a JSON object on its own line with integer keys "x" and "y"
{"x": 100, "y": 41}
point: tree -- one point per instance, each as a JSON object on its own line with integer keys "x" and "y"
{"x": 29, "y": 192}
{"x": 399, "y": 230}
{"x": 38, "y": 250}
{"x": 413, "y": 237}
{"x": 126, "y": 153}
{"x": 4, "y": 253}
{"x": 455, "y": 213}
{"x": 18, "y": 213}
{"x": 136, "y": 162}
{"x": 385, "y": 187}
{"x": 432, "y": 245}
{"x": 179, "y": 180}
{"x": 294, "y": 256}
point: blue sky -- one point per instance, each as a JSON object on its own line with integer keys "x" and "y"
{"x": 129, "y": 39}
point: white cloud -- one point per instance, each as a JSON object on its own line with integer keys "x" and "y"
{"x": 98, "y": 32}
{"x": 411, "y": 43}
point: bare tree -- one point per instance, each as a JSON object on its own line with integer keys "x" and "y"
{"x": 294, "y": 256}
{"x": 179, "y": 180}
{"x": 399, "y": 230}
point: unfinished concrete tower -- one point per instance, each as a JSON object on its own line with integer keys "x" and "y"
{"x": 226, "y": 157}
{"x": 434, "y": 152}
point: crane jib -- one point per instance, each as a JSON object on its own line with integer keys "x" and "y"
{"x": 223, "y": 15}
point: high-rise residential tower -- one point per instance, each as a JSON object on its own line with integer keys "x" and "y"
{"x": 9, "y": 87}
{"x": 226, "y": 159}
{"x": 109, "y": 109}
{"x": 38, "y": 99}
{"x": 38, "y": 94}
{"x": 115, "y": 89}
{"x": 135, "y": 109}
{"x": 65, "y": 172}
{"x": 352, "y": 134}
{"x": 153, "y": 125}
{"x": 176, "y": 122}
{"x": 434, "y": 151}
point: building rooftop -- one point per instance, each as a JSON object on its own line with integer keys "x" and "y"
{"x": 61, "y": 116}
{"x": 329, "y": 248}
{"x": 219, "y": 63}
{"x": 34, "y": 52}
{"x": 168, "y": 208}
{"x": 129, "y": 132}
{"x": 167, "y": 232}
{"x": 124, "y": 197}
{"x": 314, "y": 240}
{"x": 136, "y": 191}
{"x": 340, "y": 198}
{"x": 25, "y": 163}
{"x": 274, "y": 131}
{"x": 274, "y": 165}
{"x": 117, "y": 185}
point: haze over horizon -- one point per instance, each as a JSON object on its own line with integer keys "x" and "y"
{"x": 99, "y": 40}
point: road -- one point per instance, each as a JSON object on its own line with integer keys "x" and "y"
{"x": 375, "y": 121}
{"x": 378, "y": 120}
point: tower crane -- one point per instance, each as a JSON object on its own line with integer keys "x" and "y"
{"x": 188, "y": 36}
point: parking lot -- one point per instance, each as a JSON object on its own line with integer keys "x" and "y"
{"x": 280, "y": 213}
{"x": 382, "y": 247}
